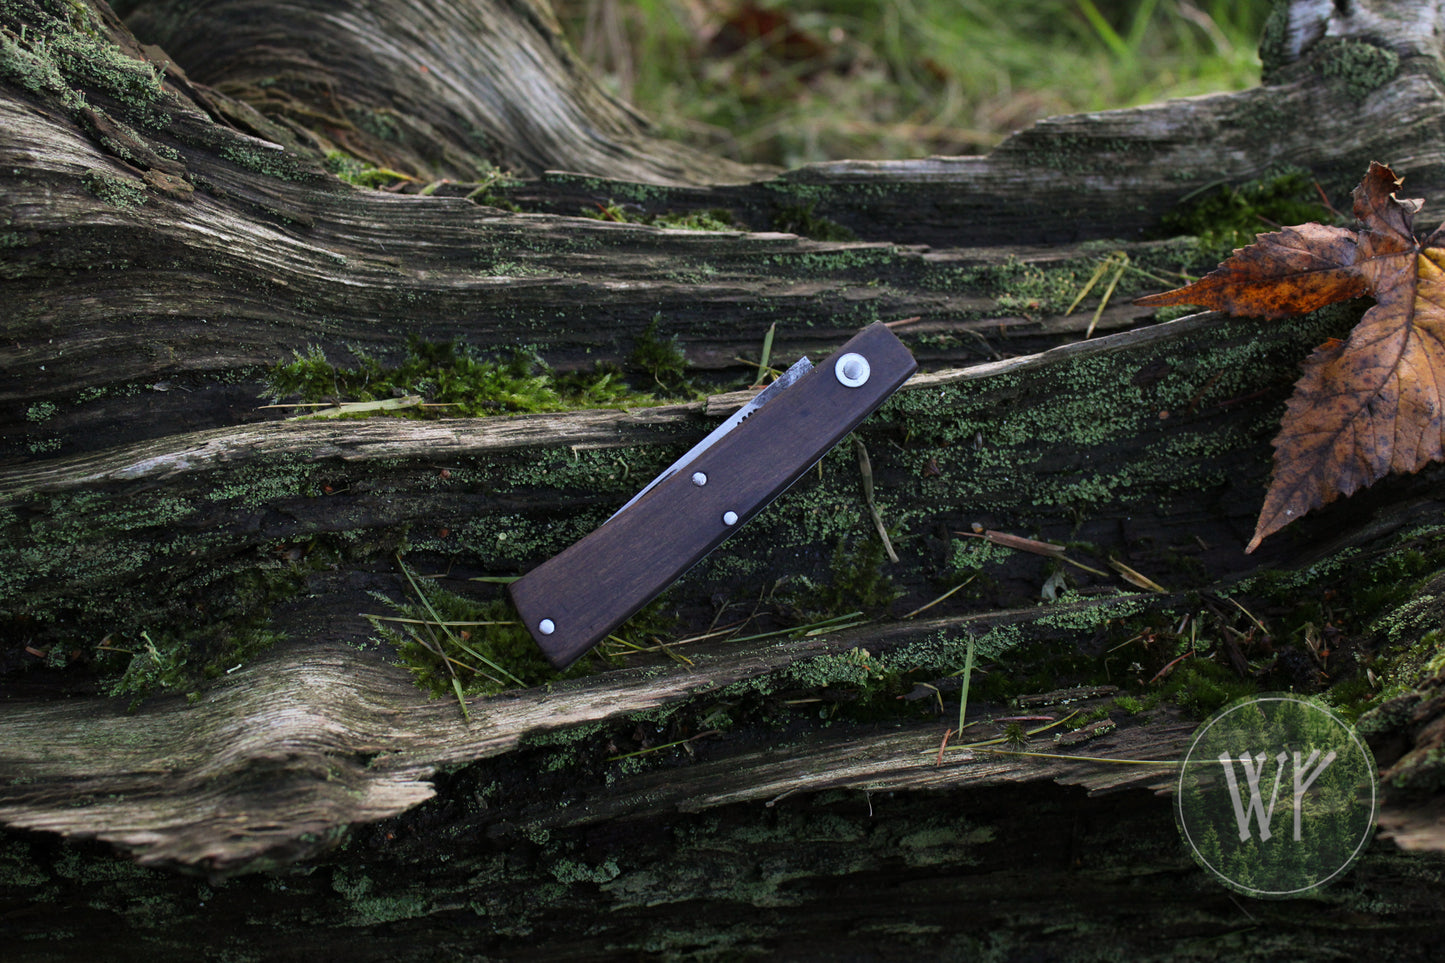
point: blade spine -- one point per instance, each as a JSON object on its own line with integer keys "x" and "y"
{"x": 783, "y": 383}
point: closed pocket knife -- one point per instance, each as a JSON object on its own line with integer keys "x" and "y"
{"x": 572, "y": 601}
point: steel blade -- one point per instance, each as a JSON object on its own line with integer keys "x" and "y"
{"x": 784, "y": 381}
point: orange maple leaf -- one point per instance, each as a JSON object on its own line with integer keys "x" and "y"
{"x": 1366, "y": 406}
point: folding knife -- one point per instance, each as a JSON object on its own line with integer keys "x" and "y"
{"x": 571, "y": 602}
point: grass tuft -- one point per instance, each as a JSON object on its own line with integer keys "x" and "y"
{"x": 461, "y": 646}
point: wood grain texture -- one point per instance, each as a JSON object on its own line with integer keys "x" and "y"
{"x": 438, "y": 93}
{"x": 164, "y": 243}
{"x": 274, "y": 759}
{"x": 598, "y": 583}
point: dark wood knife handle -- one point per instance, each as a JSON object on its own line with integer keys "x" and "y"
{"x": 571, "y": 602}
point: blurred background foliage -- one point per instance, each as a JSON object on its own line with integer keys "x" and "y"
{"x": 788, "y": 83}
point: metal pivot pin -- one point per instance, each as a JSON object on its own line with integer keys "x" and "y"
{"x": 852, "y": 369}
{"x": 755, "y": 455}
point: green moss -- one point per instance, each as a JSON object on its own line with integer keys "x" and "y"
{"x": 1201, "y": 686}
{"x": 970, "y": 556}
{"x": 857, "y": 582}
{"x": 272, "y": 162}
{"x": 857, "y": 668}
{"x": 181, "y": 662}
{"x": 127, "y": 592}
{"x": 1030, "y": 289}
{"x": 18, "y": 868}
{"x": 1359, "y": 66}
{"x": 1086, "y": 616}
{"x": 663, "y": 360}
{"x": 1096, "y": 714}
{"x": 360, "y": 173}
{"x": 32, "y": 69}
{"x": 441, "y": 636}
{"x": 254, "y": 485}
{"x": 627, "y": 190}
{"x": 1379, "y": 613}
{"x": 1129, "y": 704}
{"x": 714, "y": 219}
{"x": 456, "y": 381}
{"x": 126, "y": 193}
{"x": 369, "y": 907}
{"x": 864, "y": 261}
{"x": 568, "y": 871}
{"x": 380, "y": 123}
{"x": 800, "y": 219}
{"x": 61, "y": 53}
{"x": 102, "y": 65}
{"x": 1274, "y": 54}
{"x": 66, "y": 540}
{"x": 1080, "y": 153}
{"x": 177, "y": 659}
{"x": 1230, "y": 216}
{"x": 102, "y": 869}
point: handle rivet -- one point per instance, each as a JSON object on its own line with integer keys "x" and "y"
{"x": 852, "y": 369}
{"x": 699, "y": 479}
{"x": 730, "y": 518}
{"x": 546, "y": 626}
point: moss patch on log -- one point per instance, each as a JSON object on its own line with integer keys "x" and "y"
{"x": 453, "y": 379}
{"x": 1091, "y": 438}
{"x": 776, "y": 881}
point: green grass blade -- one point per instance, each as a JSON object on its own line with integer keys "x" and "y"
{"x": 1139, "y": 24}
{"x": 963, "y": 693}
{"x": 451, "y": 636}
{"x": 461, "y": 699}
{"x": 1117, "y": 45}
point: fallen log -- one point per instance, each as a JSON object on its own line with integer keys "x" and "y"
{"x": 205, "y": 728}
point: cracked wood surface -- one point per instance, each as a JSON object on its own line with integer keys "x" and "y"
{"x": 283, "y": 753}
{"x": 166, "y": 240}
{"x": 286, "y": 751}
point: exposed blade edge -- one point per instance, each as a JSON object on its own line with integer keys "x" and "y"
{"x": 784, "y": 381}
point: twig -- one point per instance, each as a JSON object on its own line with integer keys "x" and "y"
{"x": 1108, "y": 293}
{"x": 925, "y": 608}
{"x": 1032, "y": 545}
{"x": 397, "y": 618}
{"x": 1136, "y": 579}
{"x": 1170, "y": 667}
{"x": 668, "y": 745}
{"x": 1247, "y": 612}
{"x": 1059, "y": 755}
{"x": 1032, "y": 732}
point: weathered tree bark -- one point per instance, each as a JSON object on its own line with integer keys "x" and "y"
{"x": 168, "y": 235}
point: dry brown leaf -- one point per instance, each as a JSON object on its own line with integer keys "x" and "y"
{"x": 1366, "y": 406}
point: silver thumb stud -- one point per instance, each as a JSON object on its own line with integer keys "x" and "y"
{"x": 852, "y": 369}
